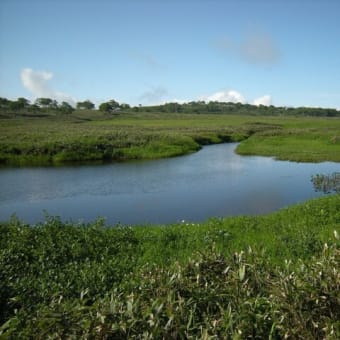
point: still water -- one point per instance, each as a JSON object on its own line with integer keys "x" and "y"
{"x": 212, "y": 182}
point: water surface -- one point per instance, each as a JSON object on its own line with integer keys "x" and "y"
{"x": 212, "y": 182}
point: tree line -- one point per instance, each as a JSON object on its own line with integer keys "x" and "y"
{"x": 202, "y": 107}
{"x": 44, "y": 104}
{"x": 194, "y": 107}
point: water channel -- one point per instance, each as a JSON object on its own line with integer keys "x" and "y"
{"x": 212, "y": 182}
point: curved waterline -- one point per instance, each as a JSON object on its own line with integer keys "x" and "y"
{"x": 212, "y": 182}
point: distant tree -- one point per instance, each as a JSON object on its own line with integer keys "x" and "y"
{"x": 43, "y": 102}
{"x": 124, "y": 106}
{"x": 4, "y": 103}
{"x": 66, "y": 108}
{"x": 15, "y": 105}
{"x": 46, "y": 103}
{"x": 54, "y": 104}
{"x": 23, "y": 102}
{"x": 172, "y": 107}
{"x": 105, "y": 107}
{"x": 109, "y": 106}
{"x": 34, "y": 108}
{"x": 113, "y": 103}
{"x": 85, "y": 105}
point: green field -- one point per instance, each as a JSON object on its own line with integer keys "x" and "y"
{"x": 85, "y": 136}
{"x": 274, "y": 276}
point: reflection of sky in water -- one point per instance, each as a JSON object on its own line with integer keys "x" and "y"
{"x": 212, "y": 182}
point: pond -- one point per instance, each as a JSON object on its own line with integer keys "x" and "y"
{"x": 212, "y": 182}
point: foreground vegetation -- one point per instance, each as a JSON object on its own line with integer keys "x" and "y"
{"x": 273, "y": 276}
{"x": 88, "y": 135}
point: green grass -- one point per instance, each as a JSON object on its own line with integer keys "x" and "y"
{"x": 271, "y": 276}
{"x": 92, "y": 136}
{"x": 295, "y": 145}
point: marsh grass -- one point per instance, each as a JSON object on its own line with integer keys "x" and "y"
{"x": 273, "y": 276}
{"x": 308, "y": 144}
{"x": 92, "y": 136}
{"x": 327, "y": 183}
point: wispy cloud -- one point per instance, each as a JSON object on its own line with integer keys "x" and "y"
{"x": 259, "y": 48}
{"x": 255, "y": 48}
{"x": 154, "y": 95}
{"x": 37, "y": 82}
{"x": 146, "y": 60}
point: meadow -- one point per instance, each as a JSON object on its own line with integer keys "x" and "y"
{"x": 273, "y": 276}
{"x": 87, "y": 136}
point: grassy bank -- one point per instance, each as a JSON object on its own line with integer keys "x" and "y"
{"x": 309, "y": 140}
{"x": 258, "y": 277}
{"x": 55, "y": 140}
{"x": 93, "y": 136}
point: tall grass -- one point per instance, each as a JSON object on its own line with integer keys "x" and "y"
{"x": 53, "y": 140}
{"x": 273, "y": 276}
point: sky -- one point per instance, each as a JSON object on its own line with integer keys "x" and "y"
{"x": 269, "y": 52}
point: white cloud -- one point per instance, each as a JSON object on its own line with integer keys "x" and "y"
{"x": 37, "y": 82}
{"x": 225, "y": 96}
{"x": 265, "y": 100}
{"x": 233, "y": 96}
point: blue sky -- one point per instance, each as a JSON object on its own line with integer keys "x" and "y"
{"x": 285, "y": 53}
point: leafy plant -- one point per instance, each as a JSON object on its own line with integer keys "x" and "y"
{"x": 274, "y": 276}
